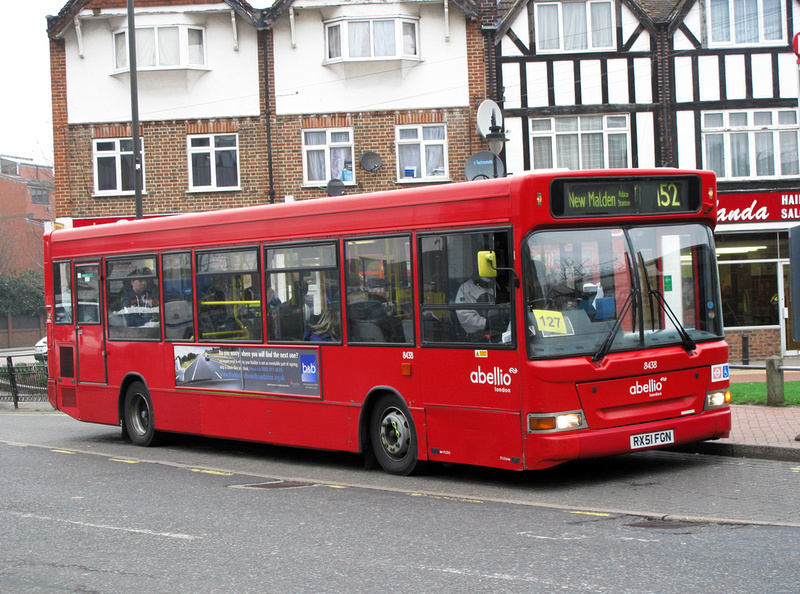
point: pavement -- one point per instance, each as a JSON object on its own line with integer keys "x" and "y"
{"x": 766, "y": 432}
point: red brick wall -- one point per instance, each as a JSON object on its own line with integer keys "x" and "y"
{"x": 763, "y": 343}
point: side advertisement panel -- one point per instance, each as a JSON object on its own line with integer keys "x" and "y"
{"x": 290, "y": 372}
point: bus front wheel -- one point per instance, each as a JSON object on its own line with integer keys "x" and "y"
{"x": 393, "y": 437}
{"x": 138, "y": 415}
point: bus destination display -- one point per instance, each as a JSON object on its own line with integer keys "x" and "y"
{"x": 623, "y": 197}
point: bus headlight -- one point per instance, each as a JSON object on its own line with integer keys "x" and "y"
{"x": 718, "y": 398}
{"x": 565, "y": 421}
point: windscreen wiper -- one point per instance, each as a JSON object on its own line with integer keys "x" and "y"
{"x": 687, "y": 341}
{"x": 612, "y": 334}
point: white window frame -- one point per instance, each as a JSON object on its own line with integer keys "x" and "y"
{"x": 722, "y": 130}
{"x": 559, "y": 128}
{"x": 186, "y": 59}
{"x": 337, "y": 35}
{"x": 329, "y": 152}
{"x": 594, "y": 42}
{"x": 212, "y": 149}
{"x": 419, "y": 140}
{"x": 115, "y": 151}
{"x": 730, "y": 33}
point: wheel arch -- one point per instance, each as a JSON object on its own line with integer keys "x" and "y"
{"x": 375, "y": 393}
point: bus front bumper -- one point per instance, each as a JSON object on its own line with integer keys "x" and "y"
{"x": 543, "y": 450}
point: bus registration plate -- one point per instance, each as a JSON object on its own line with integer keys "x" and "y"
{"x": 656, "y": 438}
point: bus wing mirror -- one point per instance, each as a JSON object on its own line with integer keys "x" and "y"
{"x": 486, "y": 263}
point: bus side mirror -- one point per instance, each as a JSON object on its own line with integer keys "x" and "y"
{"x": 486, "y": 262}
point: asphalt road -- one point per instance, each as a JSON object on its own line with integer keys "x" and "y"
{"x": 82, "y": 510}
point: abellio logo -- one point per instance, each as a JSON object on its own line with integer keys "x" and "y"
{"x": 496, "y": 377}
{"x": 651, "y": 387}
{"x": 308, "y": 368}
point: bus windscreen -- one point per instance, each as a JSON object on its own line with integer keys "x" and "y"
{"x": 610, "y": 197}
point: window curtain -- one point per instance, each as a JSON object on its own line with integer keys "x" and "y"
{"x": 765, "y": 153}
{"x": 121, "y": 50}
{"x": 740, "y": 155}
{"x": 720, "y": 21}
{"x": 772, "y": 20}
{"x": 617, "y": 150}
{"x": 409, "y": 160}
{"x": 409, "y": 39}
{"x": 715, "y": 154}
{"x": 575, "y": 34}
{"x": 334, "y": 42}
{"x": 746, "y": 20}
{"x": 789, "y": 165}
{"x": 542, "y": 153}
{"x": 601, "y": 24}
{"x": 434, "y": 153}
{"x": 169, "y": 51}
{"x": 315, "y": 161}
{"x": 197, "y": 55}
{"x": 146, "y": 47}
{"x": 548, "y": 26}
{"x": 567, "y": 151}
{"x": 339, "y": 163}
{"x": 384, "y": 38}
{"x": 358, "y": 39}
{"x": 592, "y": 153}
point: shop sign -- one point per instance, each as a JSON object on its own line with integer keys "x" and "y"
{"x": 756, "y": 208}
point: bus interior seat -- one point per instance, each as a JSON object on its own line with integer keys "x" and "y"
{"x": 366, "y": 331}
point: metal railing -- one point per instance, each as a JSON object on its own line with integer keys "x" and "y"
{"x": 23, "y": 382}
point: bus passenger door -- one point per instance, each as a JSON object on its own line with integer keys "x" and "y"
{"x": 89, "y": 324}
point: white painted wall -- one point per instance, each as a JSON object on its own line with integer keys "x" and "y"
{"x": 305, "y": 85}
{"x": 687, "y": 156}
{"x": 645, "y": 138}
{"x": 228, "y": 87}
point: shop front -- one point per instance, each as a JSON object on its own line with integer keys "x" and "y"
{"x": 752, "y": 238}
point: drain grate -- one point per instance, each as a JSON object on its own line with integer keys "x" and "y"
{"x": 275, "y": 485}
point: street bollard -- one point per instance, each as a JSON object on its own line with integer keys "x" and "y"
{"x": 775, "y": 395}
{"x": 745, "y": 349}
{"x": 12, "y": 380}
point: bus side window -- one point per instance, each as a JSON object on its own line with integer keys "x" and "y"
{"x": 62, "y": 292}
{"x": 303, "y": 293}
{"x": 459, "y": 306}
{"x": 133, "y": 298}
{"x": 379, "y": 296}
{"x": 229, "y": 295}
{"x": 177, "y": 291}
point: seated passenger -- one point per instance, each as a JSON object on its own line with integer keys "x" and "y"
{"x": 138, "y": 298}
{"x": 480, "y": 325}
{"x": 328, "y": 329}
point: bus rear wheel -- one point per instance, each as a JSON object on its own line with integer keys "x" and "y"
{"x": 138, "y": 415}
{"x": 392, "y": 435}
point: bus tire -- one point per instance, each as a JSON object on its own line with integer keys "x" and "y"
{"x": 138, "y": 415}
{"x": 393, "y": 436}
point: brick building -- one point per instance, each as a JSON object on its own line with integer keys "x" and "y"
{"x": 242, "y": 106}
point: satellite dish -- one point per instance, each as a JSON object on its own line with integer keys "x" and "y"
{"x": 486, "y": 110}
{"x": 370, "y": 161}
{"x": 335, "y": 187}
{"x": 484, "y": 165}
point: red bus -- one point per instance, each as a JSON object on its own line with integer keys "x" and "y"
{"x": 515, "y": 323}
